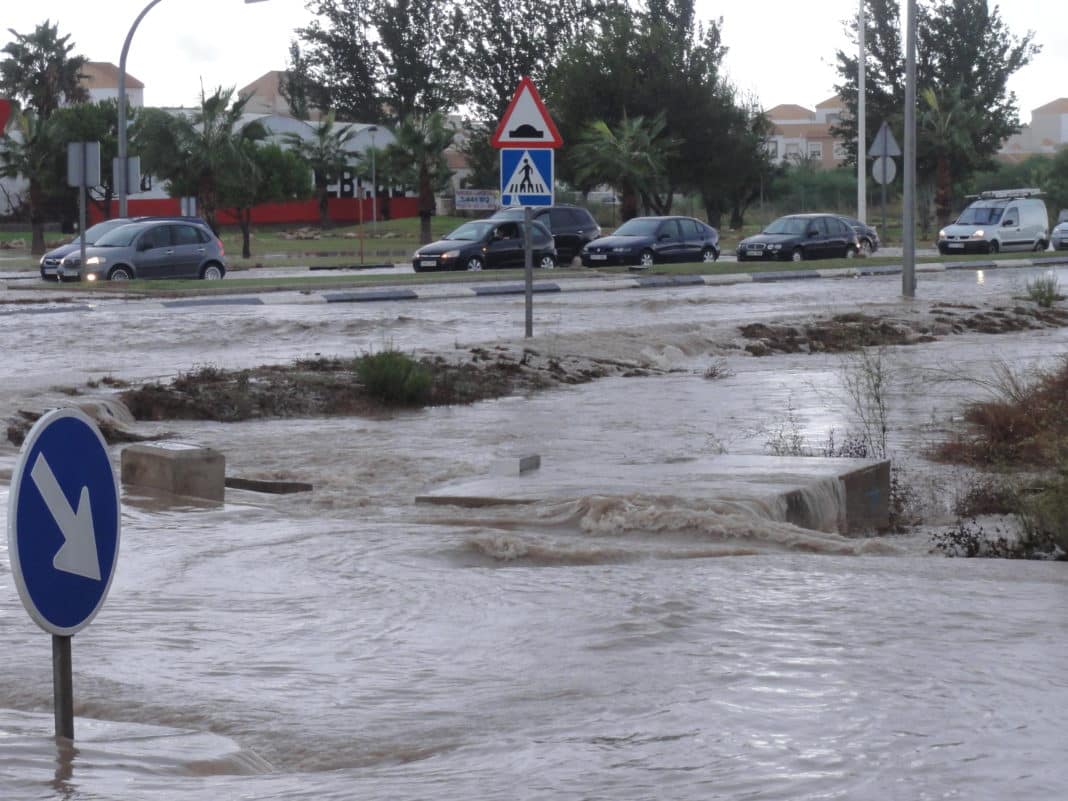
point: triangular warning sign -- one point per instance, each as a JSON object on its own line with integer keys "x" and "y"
{"x": 526, "y": 179}
{"x": 526, "y": 121}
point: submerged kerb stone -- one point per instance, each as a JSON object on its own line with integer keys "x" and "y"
{"x": 175, "y": 467}
{"x": 847, "y": 496}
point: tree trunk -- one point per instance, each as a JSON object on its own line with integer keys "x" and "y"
{"x": 628, "y": 203}
{"x": 713, "y": 210}
{"x": 426, "y": 206}
{"x": 244, "y": 218}
{"x": 943, "y": 191}
{"x": 324, "y": 207}
{"x": 37, "y": 248}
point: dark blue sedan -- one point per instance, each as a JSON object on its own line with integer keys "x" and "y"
{"x": 646, "y": 241}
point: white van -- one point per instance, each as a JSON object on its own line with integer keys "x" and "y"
{"x": 1008, "y": 219}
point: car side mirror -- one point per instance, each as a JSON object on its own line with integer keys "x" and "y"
{"x": 1008, "y": 223}
{"x": 664, "y": 237}
{"x": 143, "y": 245}
{"x": 813, "y": 232}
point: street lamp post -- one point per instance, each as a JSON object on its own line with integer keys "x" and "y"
{"x": 121, "y": 178}
{"x": 374, "y": 184}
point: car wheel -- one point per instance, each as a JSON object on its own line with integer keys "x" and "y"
{"x": 473, "y": 265}
{"x": 994, "y": 247}
{"x": 211, "y": 272}
{"x": 1040, "y": 245}
{"x": 865, "y": 248}
{"x": 646, "y": 258}
{"x": 546, "y": 262}
{"x": 120, "y": 274}
{"x": 709, "y": 255}
{"x": 851, "y": 252}
{"x": 797, "y": 255}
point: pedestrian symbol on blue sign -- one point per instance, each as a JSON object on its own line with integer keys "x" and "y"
{"x": 63, "y": 522}
{"x": 527, "y": 177}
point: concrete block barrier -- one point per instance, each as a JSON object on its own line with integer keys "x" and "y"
{"x": 175, "y": 467}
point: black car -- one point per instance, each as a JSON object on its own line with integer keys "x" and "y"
{"x": 486, "y": 244}
{"x": 867, "y": 236}
{"x": 649, "y": 240}
{"x": 802, "y": 236}
{"x": 571, "y": 226}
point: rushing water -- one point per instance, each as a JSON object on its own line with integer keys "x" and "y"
{"x": 350, "y": 643}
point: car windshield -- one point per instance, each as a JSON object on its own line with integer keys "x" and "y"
{"x": 471, "y": 232}
{"x": 120, "y": 237}
{"x": 980, "y": 215}
{"x": 787, "y": 225}
{"x": 637, "y": 227}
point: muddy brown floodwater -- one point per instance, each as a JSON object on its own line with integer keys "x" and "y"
{"x": 349, "y": 643}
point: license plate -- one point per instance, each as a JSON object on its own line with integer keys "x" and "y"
{"x": 598, "y": 257}
{"x": 754, "y": 253}
{"x": 956, "y": 244}
{"x": 428, "y": 263}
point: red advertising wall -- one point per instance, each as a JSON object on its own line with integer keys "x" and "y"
{"x": 343, "y": 210}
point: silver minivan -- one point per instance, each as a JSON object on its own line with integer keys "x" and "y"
{"x": 150, "y": 249}
{"x": 1007, "y": 219}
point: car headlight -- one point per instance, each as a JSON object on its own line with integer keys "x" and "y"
{"x": 775, "y": 247}
{"x": 621, "y": 250}
{"x": 451, "y": 254}
{"x": 979, "y": 234}
{"x": 942, "y": 234}
{"x": 93, "y": 261}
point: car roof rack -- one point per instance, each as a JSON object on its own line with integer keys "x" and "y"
{"x": 1005, "y": 194}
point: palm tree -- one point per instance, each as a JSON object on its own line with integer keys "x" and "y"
{"x": 327, "y": 155}
{"x": 31, "y": 153}
{"x": 40, "y": 74}
{"x": 195, "y": 154}
{"x": 215, "y": 144}
{"x": 418, "y": 159}
{"x": 632, "y": 158}
{"x": 948, "y": 120}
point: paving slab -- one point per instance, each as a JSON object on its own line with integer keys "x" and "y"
{"x": 847, "y": 496}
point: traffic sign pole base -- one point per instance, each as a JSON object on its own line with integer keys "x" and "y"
{"x": 63, "y": 685}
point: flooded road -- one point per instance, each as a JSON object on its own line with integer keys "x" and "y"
{"x": 349, "y": 643}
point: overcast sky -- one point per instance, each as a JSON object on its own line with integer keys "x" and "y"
{"x": 781, "y": 51}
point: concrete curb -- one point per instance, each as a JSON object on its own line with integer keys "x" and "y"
{"x": 542, "y": 287}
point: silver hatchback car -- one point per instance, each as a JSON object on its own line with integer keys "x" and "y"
{"x": 150, "y": 249}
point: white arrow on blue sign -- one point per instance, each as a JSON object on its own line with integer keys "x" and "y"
{"x": 527, "y": 176}
{"x": 63, "y": 522}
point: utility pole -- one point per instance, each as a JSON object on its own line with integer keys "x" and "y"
{"x": 908, "y": 211}
{"x": 862, "y": 133}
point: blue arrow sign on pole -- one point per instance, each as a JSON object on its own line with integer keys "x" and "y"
{"x": 63, "y": 522}
{"x": 527, "y": 176}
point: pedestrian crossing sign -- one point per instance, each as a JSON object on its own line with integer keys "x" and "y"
{"x": 527, "y": 176}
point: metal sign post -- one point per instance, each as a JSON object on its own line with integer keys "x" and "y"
{"x": 528, "y": 267}
{"x": 884, "y": 149}
{"x": 83, "y": 171}
{"x": 63, "y": 536}
{"x": 526, "y": 136}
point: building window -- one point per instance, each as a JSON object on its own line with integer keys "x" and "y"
{"x": 772, "y": 147}
{"x": 840, "y": 152}
{"x": 793, "y": 149}
{"x": 815, "y": 150}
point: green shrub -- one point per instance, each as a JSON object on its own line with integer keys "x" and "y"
{"x": 1044, "y": 290}
{"x": 394, "y": 377}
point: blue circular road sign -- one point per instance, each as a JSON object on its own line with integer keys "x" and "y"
{"x": 63, "y": 522}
